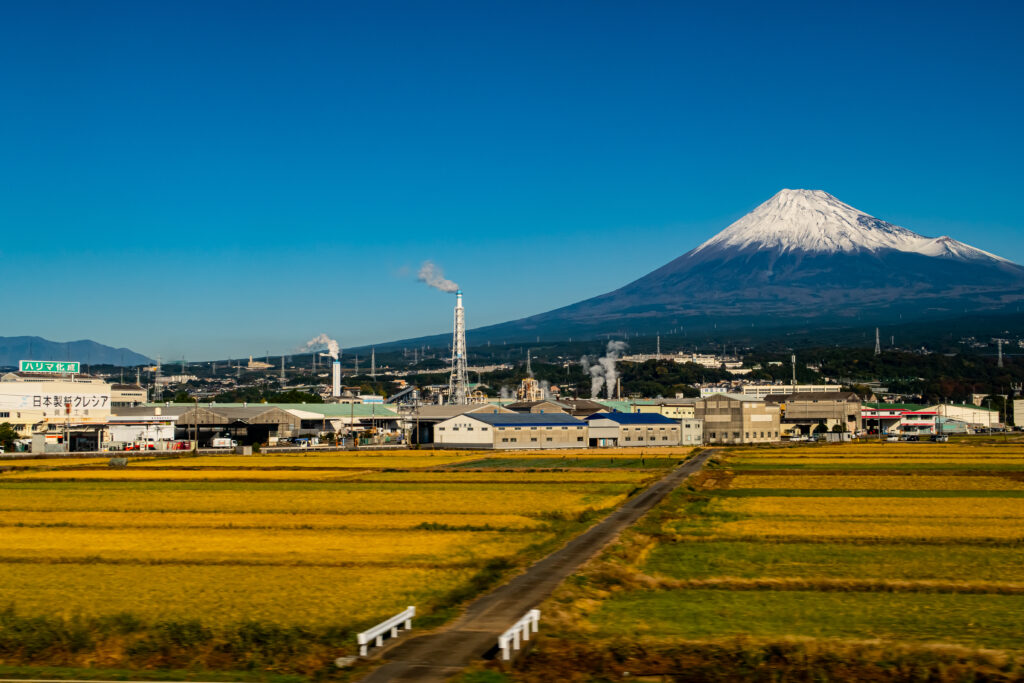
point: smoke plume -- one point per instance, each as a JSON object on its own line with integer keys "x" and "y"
{"x": 545, "y": 388}
{"x": 431, "y": 274}
{"x": 603, "y": 372}
{"x": 320, "y": 341}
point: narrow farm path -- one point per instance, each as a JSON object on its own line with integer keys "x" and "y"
{"x": 434, "y": 657}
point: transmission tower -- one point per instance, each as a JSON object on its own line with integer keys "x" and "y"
{"x": 457, "y": 394}
{"x": 878, "y": 343}
{"x": 529, "y": 369}
{"x": 999, "y": 346}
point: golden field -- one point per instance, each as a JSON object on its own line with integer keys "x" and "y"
{"x": 225, "y": 595}
{"x": 874, "y": 507}
{"x": 261, "y": 520}
{"x": 52, "y": 462}
{"x": 987, "y": 461}
{"x": 324, "y": 498}
{"x": 399, "y": 460}
{"x": 259, "y": 546}
{"x": 181, "y": 474}
{"x": 871, "y": 449}
{"x": 327, "y": 543}
{"x": 909, "y": 481}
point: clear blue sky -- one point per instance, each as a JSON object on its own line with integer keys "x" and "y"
{"x": 216, "y": 179}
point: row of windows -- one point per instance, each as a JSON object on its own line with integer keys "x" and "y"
{"x": 736, "y": 435}
{"x": 664, "y": 438}
{"x": 513, "y": 439}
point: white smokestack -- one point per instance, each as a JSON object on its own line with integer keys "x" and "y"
{"x": 336, "y": 377}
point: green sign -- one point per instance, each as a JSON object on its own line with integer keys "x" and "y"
{"x": 49, "y": 366}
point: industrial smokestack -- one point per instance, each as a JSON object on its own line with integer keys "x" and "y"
{"x": 336, "y": 373}
{"x": 457, "y": 383}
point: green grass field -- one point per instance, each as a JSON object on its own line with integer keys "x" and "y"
{"x": 984, "y": 620}
{"x": 835, "y": 560}
{"x": 753, "y": 559}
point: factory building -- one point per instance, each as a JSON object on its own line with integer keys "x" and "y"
{"x": 422, "y": 421}
{"x": 806, "y": 413}
{"x": 127, "y": 395}
{"x": 577, "y": 407}
{"x": 674, "y": 408}
{"x": 254, "y": 423}
{"x": 57, "y": 412}
{"x": 496, "y": 430}
{"x": 763, "y": 390}
{"x": 632, "y": 429}
{"x": 737, "y": 419}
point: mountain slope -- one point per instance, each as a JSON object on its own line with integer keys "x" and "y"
{"x": 801, "y": 255}
{"x": 86, "y": 351}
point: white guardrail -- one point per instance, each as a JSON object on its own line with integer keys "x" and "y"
{"x": 377, "y": 633}
{"x": 522, "y": 629}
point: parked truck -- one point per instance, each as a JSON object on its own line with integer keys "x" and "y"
{"x": 222, "y": 442}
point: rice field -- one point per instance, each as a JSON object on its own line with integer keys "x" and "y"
{"x": 909, "y": 481}
{"x": 324, "y": 543}
{"x": 224, "y": 595}
{"x": 773, "y": 548}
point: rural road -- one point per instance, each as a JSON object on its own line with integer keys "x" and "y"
{"x": 434, "y": 657}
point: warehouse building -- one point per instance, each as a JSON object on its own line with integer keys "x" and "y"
{"x": 511, "y": 431}
{"x": 674, "y": 408}
{"x": 737, "y": 419}
{"x": 632, "y": 429}
{"x": 577, "y": 407}
{"x": 421, "y": 421}
{"x": 806, "y": 413}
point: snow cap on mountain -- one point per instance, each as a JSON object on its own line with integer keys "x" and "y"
{"x": 815, "y": 221}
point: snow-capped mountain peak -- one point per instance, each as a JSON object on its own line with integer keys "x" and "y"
{"x": 815, "y": 221}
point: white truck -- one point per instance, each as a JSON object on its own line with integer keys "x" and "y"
{"x": 222, "y": 442}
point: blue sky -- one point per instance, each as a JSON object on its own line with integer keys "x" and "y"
{"x": 215, "y": 179}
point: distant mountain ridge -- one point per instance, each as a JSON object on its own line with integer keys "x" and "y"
{"x": 85, "y": 351}
{"x": 802, "y": 256}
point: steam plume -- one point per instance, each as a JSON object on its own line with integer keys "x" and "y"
{"x": 431, "y": 274}
{"x": 320, "y": 341}
{"x": 603, "y": 373}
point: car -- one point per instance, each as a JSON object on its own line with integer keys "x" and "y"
{"x": 940, "y": 438}
{"x": 892, "y": 438}
{"x": 913, "y": 437}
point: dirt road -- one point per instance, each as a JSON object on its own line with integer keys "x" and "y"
{"x": 434, "y": 657}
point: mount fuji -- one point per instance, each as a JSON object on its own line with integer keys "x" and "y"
{"x": 802, "y": 255}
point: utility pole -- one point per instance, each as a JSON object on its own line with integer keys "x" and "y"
{"x": 195, "y": 420}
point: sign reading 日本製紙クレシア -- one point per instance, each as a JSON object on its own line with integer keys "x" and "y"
{"x": 51, "y": 366}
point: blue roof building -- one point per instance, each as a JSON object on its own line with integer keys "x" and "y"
{"x": 512, "y": 431}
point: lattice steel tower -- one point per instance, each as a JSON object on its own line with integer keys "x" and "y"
{"x": 458, "y": 393}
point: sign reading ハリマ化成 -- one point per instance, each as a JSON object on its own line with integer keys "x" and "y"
{"x": 52, "y": 366}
